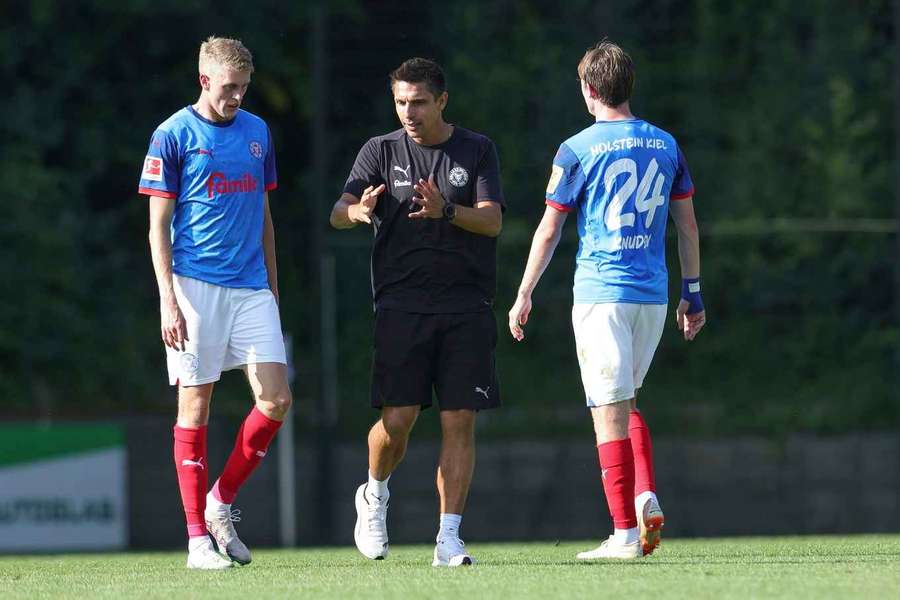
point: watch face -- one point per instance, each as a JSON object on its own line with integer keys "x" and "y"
{"x": 449, "y": 211}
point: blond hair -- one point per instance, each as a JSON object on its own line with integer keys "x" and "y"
{"x": 224, "y": 52}
{"x": 609, "y": 71}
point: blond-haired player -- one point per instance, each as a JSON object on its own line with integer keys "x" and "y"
{"x": 208, "y": 174}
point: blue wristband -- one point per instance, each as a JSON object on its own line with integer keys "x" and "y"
{"x": 690, "y": 291}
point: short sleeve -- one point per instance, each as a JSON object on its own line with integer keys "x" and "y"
{"x": 487, "y": 180}
{"x": 366, "y": 170}
{"x": 270, "y": 173}
{"x": 566, "y": 181}
{"x": 682, "y": 185}
{"x": 162, "y": 166}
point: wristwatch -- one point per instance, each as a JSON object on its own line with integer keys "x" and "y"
{"x": 449, "y": 211}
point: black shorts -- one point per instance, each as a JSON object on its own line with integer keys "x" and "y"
{"x": 452, "y": 354}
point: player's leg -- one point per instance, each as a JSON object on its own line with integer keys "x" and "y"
{"x": 647, "y": 333}
{"x": 195, "y": 370}
{"x": 191, "y": 466}
{"x": 256, "y": 344}
{"x": 466, "y": 382}
{"x": 401, "y": 385}
{"x": 603, "y": 338}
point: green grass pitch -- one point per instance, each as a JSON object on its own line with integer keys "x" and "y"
{"x": 795, "y": 567}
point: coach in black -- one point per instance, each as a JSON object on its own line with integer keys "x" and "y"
{"x": 431, "y": 191}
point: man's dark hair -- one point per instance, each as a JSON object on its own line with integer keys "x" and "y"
{"x": 609, "y": 71}
{"x": 421, "y": 70}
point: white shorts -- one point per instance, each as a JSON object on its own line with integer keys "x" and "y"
{"x": 615, "y": 344}
{"x": 227, "y": 328}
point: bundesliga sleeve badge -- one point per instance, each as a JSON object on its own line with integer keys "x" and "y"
{"x": 152, "y": 168}
{"x": 555, "y": 177}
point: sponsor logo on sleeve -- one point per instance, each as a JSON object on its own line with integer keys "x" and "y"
{"x": 555, "y": 177}
{"x": 152, "y": 169}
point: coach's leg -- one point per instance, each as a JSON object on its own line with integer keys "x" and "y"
{"x": 457, "y": 460}
{"x": 388, "y": 439}
{"x": 387, "y": 445}
{"x": 190, "y": 454}
{"x": 454, "y": 476}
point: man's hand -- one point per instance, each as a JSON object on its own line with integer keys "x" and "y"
{"x": 361, "y": 212}
{"x": 174, "y": 328}
{"x": 431, "y": 200}
{"x": 518, "y": 316}
{"x": 689, "y": 324}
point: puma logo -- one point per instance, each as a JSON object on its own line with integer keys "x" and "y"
{"x": 483, "y": 391}
{"x": 193, "y": 463}
{"x": 404, "y": 171}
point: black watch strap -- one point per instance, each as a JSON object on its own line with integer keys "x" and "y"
{"x": 449, "y": 211}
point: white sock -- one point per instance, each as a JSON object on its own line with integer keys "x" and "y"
{"x": 449, "y": 525}
{"x": 378, "y": 490}
{"x": 626, "y": 536}
{"x": 198, "y": 542}
{"x": 213, "y": 503}
{"x": 642, "y": 498}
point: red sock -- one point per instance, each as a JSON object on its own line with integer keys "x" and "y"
{"x": 617, "y": 469}
{"x": 639, "y": 434}
{"x": 190, "y": 463}
{"x": 250, "y": 447}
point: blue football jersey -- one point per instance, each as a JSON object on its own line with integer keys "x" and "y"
{"x": 217, "y": 174}
{"x": 620, "y": 177}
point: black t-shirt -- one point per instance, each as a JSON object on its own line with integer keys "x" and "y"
{"x": 429, "y": 265}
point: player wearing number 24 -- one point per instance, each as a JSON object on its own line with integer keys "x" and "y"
{"x": 622, "y": 176}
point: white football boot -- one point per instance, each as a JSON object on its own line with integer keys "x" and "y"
{"x": 451, "y": 552}
{"x": 219, "y": 524}
{"x": 611, "y": 548}
{"x": 370, "y": 533}
{"x": 204, "y": 556}
{"x": 650, "y": 521}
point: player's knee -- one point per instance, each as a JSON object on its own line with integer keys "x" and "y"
{"x": 193, "y": 416}
{"x": 193, "y": 408}
{"x": 275, "y": 404}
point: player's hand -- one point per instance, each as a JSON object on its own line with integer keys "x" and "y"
{"x": 518, "y": 316}
{"x": 430, "y": 199}
{"x": 690, "y": 325}
{"x": 174, "y": 327}
{"x": 361, "y": 212}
